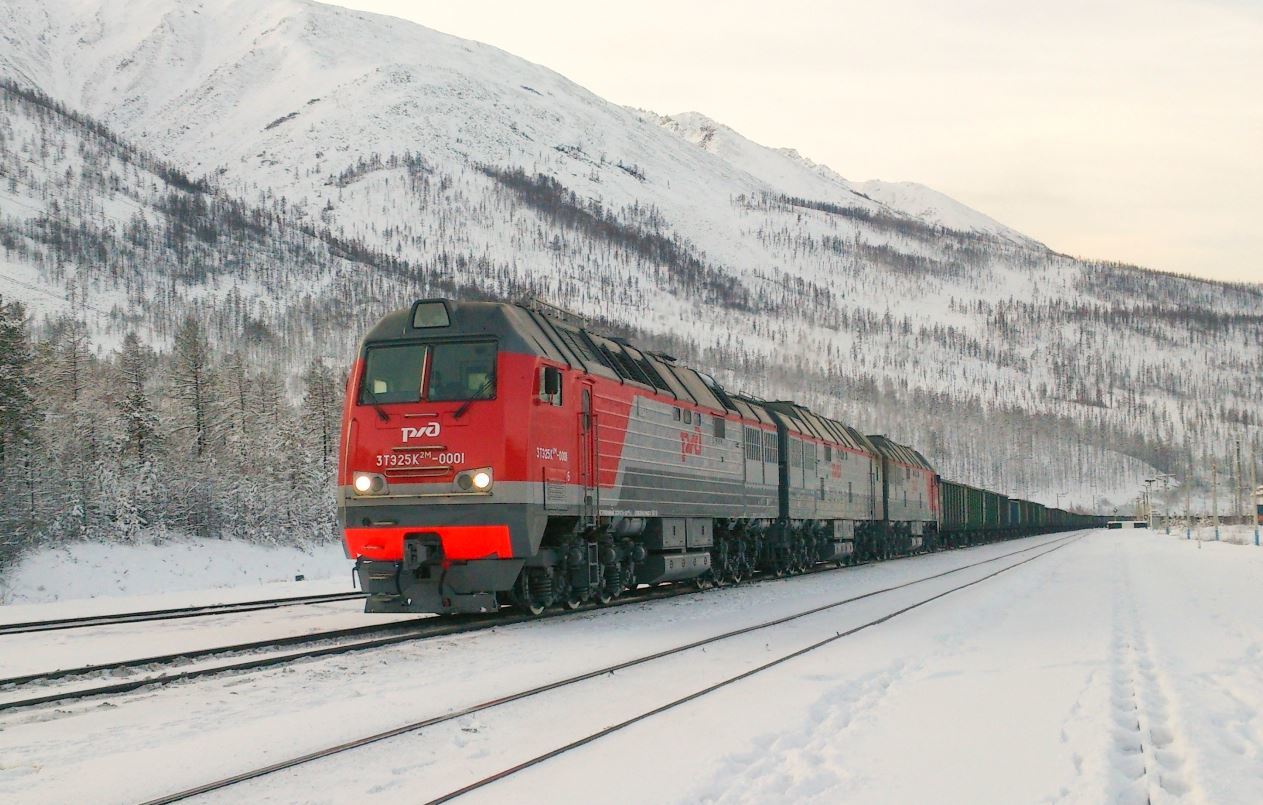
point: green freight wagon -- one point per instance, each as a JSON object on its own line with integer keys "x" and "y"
{"x": 963, "y": 514}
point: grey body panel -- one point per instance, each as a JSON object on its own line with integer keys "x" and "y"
{"x": 906, "y": 476}
{"x": 829, "y": 472}
{"x": 668, "y": 467}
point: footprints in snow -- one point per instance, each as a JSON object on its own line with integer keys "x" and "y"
{"x": 1146, "y": 752}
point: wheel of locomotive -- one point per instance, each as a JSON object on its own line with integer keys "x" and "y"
{"x": 719, "y": 559}
{"x": 750, "y": 555}
{"x": 522, "y": 596}
{"x": 629, "y": 575}
{"x": 779, "y": 564}
{"x": 815, "y": 550}
{"x": 744, "y": 565}
{"x": 806, "y": 552}
{"x": 784, "y": 562}
{"x": 563, "y": 592}
{"x": 611, "y": 584}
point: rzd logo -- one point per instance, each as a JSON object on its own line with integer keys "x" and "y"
{"x": 430, "y": 431}
{"x": 690, "y": 444}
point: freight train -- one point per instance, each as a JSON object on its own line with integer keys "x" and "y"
{"x": 497, "y": 453}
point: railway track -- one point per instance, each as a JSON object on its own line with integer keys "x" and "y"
{"x": 1049, "y": 546}
{"x": 429, "y": 627}
{"x": 409, "y": 630}
{"x": 173, "y": 614}
{"x": 433, "y": 626}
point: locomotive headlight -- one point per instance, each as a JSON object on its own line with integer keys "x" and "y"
{"x": 474, "y": 480}
{"x": 368, "y": 483}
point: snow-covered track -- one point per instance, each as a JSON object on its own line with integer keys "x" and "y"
{"x": 429, "y": 627}
{"x": 415, "y": 629}
{"x": 199, "y": 654}
{"x": 647, "y": 714}
{"x": 1048, "y": 545}
{"x": 410, "y": 631}
{"x": 173, "y": 614}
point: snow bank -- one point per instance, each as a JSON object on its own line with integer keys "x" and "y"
{"x": 1231, "y": 534}
{"x": 99, "y": 569}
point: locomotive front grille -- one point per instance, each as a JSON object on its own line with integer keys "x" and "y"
{"x": 419, "y": 472}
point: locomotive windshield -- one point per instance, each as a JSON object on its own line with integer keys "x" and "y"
{"x": 433, "y": 372}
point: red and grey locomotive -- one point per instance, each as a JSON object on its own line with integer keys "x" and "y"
{"x": 501, "y": 452}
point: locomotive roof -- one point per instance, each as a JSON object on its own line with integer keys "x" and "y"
{"x": 899, "y": 452}
{"x": 802, "y": 419}
{"x": 550, "y": 333}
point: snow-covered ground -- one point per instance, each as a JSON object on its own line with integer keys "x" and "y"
{"x": 150, "y": 573}
{"x": 1232, "y": 534}
{"x": 1121, "y": 667}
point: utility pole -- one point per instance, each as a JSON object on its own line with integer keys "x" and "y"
{"x": 1148, "y": 503}
{"x": 1166, "y": 504}
{"x": 1237, "y": 481}
{"x": 1254, "y": 497}
{"x": 1214, "y": 496}
{"x": 1188, "y": 503}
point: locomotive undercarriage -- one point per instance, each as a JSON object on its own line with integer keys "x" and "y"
{"x": 601, "y": 563}
{"x": 579, "y": 563}
{"x": 591, "y": 564}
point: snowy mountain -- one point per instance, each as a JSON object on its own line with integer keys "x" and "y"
{"x": 791, "y": 173}
{"x": 296, "y": 162}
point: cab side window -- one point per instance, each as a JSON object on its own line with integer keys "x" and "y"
{"x": 550, "y": 385}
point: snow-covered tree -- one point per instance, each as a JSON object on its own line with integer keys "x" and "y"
{"x": 197, "y": 409}
{"x": 136, "y": 412}
{"x": 322, "y": 407}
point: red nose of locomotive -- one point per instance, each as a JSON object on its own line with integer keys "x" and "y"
{"x": 423, "y": 470}
{"x": 424, "y": 449}
{"x": 424, "y": 453}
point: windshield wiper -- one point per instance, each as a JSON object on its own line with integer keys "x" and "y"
{"x": 483, "y": 389}
{"x": 377, "y": 406}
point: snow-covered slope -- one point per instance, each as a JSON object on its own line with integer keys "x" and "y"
{"x": 256, "y": 90}
{"x": 473, "y": 171}
{"x": 793, "y": 174}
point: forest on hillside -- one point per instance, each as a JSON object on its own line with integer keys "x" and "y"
{"x": 135, "y": 444}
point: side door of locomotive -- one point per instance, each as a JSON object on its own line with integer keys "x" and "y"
{"x": 589, "y": 464}
{"x": 752, "y": 443}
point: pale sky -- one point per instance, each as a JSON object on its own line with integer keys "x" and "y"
{"x": 1129, "y": 130}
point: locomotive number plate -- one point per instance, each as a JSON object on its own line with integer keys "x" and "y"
{"x": 425, "y": 458}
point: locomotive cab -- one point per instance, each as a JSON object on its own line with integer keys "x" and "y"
{"x": 433, "y": 467}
